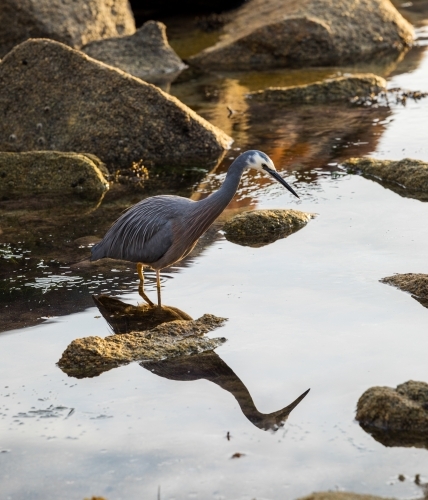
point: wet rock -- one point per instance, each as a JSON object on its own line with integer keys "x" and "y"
{"x": 74, "y": 23}
{"x": 273, "y": 33}
{"x": 340, "y": 495}
{"x": 261, "y": 227}
{"x": 396, "y": 417}
{"x": 343, "y": 88}
{"x": 414, "y": 283}
{"x": 51, "y": 172}
{"x": 91, "y": 356}
{"x": 80, "y": 104}
{"x": 145, "y": 54}
{"x": 407, "y": 177}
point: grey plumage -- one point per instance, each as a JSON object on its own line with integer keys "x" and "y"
{"x": 161, "y": 230}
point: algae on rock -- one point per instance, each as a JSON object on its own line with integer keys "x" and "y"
{"x": 51, "y": 172}
{"x": 91, "y": 356}
{"x": 396, "y": 417}
{"x": 414, "y": 283}
{"x": 261, "y": 227}
{"x": 342, "y": 88}
{"x": 407, "y": 177}
{"x": 146, "y": 54}
{"x": 82, "y": 105}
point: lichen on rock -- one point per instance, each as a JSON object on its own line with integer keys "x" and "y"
{"x": 91, "y": 356}
{"x": 261, "y": 227}
{"x": 146, "y": 54}
{"x": 407, "y": 177}
{"x": 396, "y": 417}
{"x": 342, "y": 88}
{"x": 51, "y": 172}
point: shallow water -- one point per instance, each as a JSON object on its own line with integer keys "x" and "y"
{"x": 305, "y": 312}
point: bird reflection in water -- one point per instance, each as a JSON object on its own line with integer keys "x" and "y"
{"x": 124, "y": 318}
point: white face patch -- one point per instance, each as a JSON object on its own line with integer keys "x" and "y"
{"x": 258, "y": 160}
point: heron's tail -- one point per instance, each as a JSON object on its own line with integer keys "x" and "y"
{"x": 97, "y": 252}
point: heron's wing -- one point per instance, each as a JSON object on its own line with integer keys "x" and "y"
{"x": 143, "y": 233}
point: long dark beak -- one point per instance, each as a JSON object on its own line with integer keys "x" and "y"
{"x": 276, "y": 176}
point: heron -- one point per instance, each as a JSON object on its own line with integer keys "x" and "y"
{"x": 161, "y": 230}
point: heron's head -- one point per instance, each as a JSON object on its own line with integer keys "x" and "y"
{"x": 261, "y": 162}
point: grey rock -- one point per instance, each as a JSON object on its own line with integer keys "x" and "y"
{"x": 74, "y": 22}
{"x": 343, "y": 88}
{"x": 51, "y": 172}
{"x": 298, "y": 33}
{"x": 53, "y": 97}
{"x": 146, "y": 54}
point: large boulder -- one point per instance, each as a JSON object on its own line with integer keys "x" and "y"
{"x": 51, "y": 172}
{"x": 290, "y": 33}
{"x": 145, "y": 54}
{"x": 340, "y": 89}
{"x": 53, "y": 97}
{"x": 74, "y": 22}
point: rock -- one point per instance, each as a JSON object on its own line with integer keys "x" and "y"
{"x": 51, "y": 172}
{"x": 145, "y": 54}
{"x": 261, "y": 227}
{"x": 91, "y": 356}
{"x": 276, "y": 33}
{"x": 73, "y": 22}
{"x": 80, "y": 104}
{"x": 396, "y": 417}
{"x": 343, "y": 88}
{"x": 340, "y": 495}
{"x": 406, "y": 177}
{"x": 414, "y": 283}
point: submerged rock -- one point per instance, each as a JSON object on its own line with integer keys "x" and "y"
{"x": 414, "y": 283}
{"x": 396, "y": 417}
{"x": 51, "y": 172}
{"x": 261, "y": 227}
{"x": 80, "y": 104}
{"x": 343, "y": 88}
{"x": 277, "y": 33}
{"x": 91, "y": 356}
{"x": 406, "y": 177}
{"x": 74, "y": 22}
{"x": 145, "y": 54}
{"x": 340, "y": 495}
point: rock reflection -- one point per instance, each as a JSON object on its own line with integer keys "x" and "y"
{"x": 185, "y": 362}
{"x": 210, "y": 366}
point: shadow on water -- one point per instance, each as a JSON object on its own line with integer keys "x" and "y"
{"x": 125, "y": 318}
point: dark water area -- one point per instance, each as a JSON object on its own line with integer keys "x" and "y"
{"x": 305, "y": 312}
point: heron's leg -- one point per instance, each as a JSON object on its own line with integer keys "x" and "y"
{"x": 141, "y": 285}
{"x": 158, "y": 284}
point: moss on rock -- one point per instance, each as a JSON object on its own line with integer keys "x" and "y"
{"x": 396, "y": 417}
{"x": 51, "y": 172}
{"x": 261, "y": 227}
{"x": 343, "y": 88}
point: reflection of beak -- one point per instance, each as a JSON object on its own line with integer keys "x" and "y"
{"x": 276, "y": 176}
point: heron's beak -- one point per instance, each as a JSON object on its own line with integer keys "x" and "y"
{"x": 276, "y": 176}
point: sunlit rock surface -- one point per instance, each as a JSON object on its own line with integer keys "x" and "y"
{"x": 91, "y": 356}
{"x": 407, "y": 177}
{"x": 53, "y": 172}
{"x": 277, "y": 33}
{"x": 343, "y": 88}
{"x": 261, "y": 227}
{"x": 414, "y": 283}
{"x": 145, "y": 54}
{"x": 396, "y": 417}
{"x": 74, "y": 22}
{"x": 80, "y": 104}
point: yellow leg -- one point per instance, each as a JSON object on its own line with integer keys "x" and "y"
{"x": 158, "y": 284}
{"x": 141, "y": 285}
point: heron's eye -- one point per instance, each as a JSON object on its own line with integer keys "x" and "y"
{"x": 264, "y": 165}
